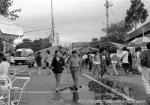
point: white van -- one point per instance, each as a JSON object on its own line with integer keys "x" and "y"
{"x": 21, "y": 55}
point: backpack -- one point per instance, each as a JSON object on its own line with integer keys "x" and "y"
{"x": 114, "y": 57}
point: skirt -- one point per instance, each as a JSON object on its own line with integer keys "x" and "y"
{"x": 74, "y": 68}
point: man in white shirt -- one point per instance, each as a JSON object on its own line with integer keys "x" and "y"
{"x": 4, "y": 66}
{"x": 84, "y": 57}
{"x": 125, "y": 61}
{"x": 114, "y": 60}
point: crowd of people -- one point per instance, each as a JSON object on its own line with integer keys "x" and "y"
{"x": 99, "y": 63}
{"x": 120, "y": 60}
{"x": 112, "y": 62}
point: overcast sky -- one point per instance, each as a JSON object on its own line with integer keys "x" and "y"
{"x": 75, "y": 20}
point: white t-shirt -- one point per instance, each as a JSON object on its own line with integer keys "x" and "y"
{"x": 138, "y": 54}
{"x": 4, "y": 66}
{"x": 84, "y": 57}
{"x": 125, "y": 55}
{"x": 12, "y": 59}
{"x": 48, "y": 58}
{"x": 111, "y": 55}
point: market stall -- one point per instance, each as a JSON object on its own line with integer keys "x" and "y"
{"x": 84, "y": 50}
{"x": 139, "y": 42}
{"x": 9, "y": 31}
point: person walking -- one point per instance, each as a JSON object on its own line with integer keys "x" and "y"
{"x": 4, "y": 66}
{"x": 104, "y": 58}
{"x": 38, "y": 59}
{"x": 90, "y": 62}
{"x": 114, "y": 60}
{"x": 145, "y": 63}
{"x": 75, "y": 67}
{"x": 138, "y": 62}
{"x": 84, "y": 57}
{"x": 57, "y": 67}
{"x": 48, "y": 60}
{"x": 12, "y": 61}
{"x": 31, "y": 60}
{"x": 130, "y": 59}
{"x": 125, "y": 61}
{"x": 97, "y": 63}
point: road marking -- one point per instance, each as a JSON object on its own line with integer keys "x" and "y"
{"x": 114, "y": 91}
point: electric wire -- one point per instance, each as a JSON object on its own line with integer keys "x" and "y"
{"x": 114, "y": 15}
{"x": 37, "y": 30}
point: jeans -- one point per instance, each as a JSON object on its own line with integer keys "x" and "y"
{"x": 125, "y": 67}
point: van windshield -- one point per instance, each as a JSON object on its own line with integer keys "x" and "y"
{"x": 22, "y": 54}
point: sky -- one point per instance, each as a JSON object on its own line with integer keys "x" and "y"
{"x": 75, "y": 20}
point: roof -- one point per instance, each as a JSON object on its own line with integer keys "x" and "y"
{"x": 139, "y": 32}
{"x": 81, "y": 44}
{"x": 112, "y": 44}
{"x": 9, "y": 28}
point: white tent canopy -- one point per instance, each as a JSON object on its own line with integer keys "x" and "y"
{"x": 140, "y": 40}
{"x": 9, "y": 28}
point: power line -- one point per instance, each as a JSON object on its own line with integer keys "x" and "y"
{"x": 114, "y": 15}
{"x": 37, "y": 30}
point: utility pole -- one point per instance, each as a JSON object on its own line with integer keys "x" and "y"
{"x": 107, "y": 5}
{"x": 52, "y": 38}
{"x": 57, "y": 39}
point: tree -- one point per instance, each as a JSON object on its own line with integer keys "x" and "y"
{"x": 136, "y": 13}
{"x": 117, "y": 32}
{"x": 5, "y": 11}
{"x": 35, "y": 45}
{"x": 26, "y": 40}
{"x": 94, "y": 39}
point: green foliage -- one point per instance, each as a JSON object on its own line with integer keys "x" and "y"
{"x": 35, "y": 45}
{"x": 136, "y": 13}
{"x": 117, "y": 32}
{"x": 94, "y": 39}
{"x": 4, "y": 9}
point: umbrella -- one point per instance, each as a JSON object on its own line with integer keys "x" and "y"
{"x": 140, "y": 41}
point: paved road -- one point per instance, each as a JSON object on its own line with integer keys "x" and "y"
{"x": 41, "y": 89}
